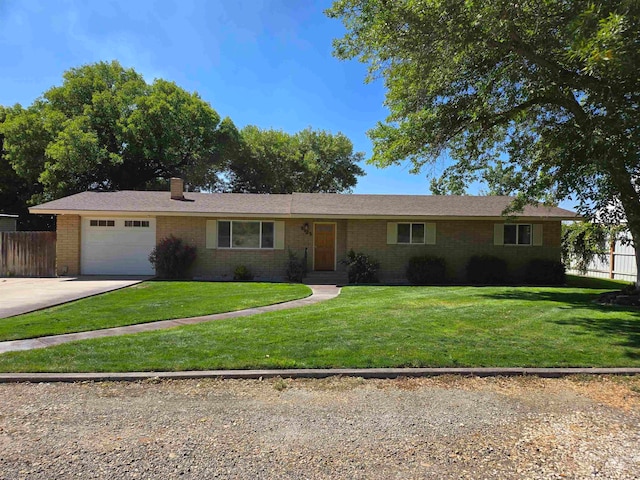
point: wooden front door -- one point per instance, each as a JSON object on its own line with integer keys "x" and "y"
{"x": 324, "y": 244}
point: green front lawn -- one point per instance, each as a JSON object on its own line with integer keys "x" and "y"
{"x": 148, "y": 302}
{"x": 379, "y": 327}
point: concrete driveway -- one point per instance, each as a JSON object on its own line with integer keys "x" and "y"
{"x": 21, "y": 295}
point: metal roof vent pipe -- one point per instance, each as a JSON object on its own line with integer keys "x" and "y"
{"x": 177, "y": 189}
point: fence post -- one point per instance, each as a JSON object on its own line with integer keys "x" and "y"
{"x": 612, "y": 257}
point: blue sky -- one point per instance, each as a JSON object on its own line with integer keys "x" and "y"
{"x": 260, "y": 62}
{"x": 263, "y": 62}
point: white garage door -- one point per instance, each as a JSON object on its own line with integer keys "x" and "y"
{"x": 117, "y": 246}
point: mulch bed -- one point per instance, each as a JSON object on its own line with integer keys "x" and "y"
{"x": 629, "y": 297}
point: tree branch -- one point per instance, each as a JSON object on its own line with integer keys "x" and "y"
{"x": 517, "y": 45}
{"x": 499, "y": 118}
{"x": 562, "y": 100}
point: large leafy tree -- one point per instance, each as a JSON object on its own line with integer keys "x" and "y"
{"x": 273, "y": 161}
{"x": 15, "y": 191}
{"x": 266, "y": 164}
{"x": 105, "y": 127}
{"x": 551, "y": 89}
{"x": 330, "y": 164}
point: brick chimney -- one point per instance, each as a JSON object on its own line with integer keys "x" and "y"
{"x": 177, "y": 189}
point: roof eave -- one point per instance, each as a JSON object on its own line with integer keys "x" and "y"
{"x": 139, "y": 213}
{"x": 439, "y": 217}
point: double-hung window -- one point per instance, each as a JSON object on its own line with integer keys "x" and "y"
{"x": 411, "y": 233}
{"x": 517, "y": 234}
{"x": 245, "y": 234}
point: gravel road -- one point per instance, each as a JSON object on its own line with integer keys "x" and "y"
{"x": 441, "y": 428}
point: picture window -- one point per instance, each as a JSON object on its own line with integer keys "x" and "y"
{"x": 246, "y": 234}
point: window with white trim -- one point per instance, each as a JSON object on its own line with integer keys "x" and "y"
{"x": 411, "y": 233}
{"x": 136, "y": 223}
{"x": 517, "y": 234}
{"x": 102, "y": 223}
{"x": 245, "y": 234}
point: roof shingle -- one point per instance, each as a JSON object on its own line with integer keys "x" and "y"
{"x": 294, "y": 205}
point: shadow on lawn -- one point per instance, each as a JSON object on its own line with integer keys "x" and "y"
{"x": 581, "y": 299}
{"x": 628, "y": 329}
{"x": 625, "y": 325}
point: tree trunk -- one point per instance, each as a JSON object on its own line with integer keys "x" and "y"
{"x": 633, "y": 224}
{"x": 629, "y": 196}
{"x": 638, "y": 267}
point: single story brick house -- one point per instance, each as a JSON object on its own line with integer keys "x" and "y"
{"x": 113, "y": 232}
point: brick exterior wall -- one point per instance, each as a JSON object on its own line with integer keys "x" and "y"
{"x": 68, "y": 245}
{"x": 264, "y": 264}
{"x": 456, "y": 241}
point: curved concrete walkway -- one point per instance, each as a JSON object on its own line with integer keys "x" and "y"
{"x": 319, "y": 293}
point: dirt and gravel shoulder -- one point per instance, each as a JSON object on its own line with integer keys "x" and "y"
{"x": 443, "y": 427}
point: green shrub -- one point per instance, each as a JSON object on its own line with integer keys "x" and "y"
{"x": 361, "y": 268}
{"x": 426, "y": 270}
{"x": 540, "y": 271}
{"x": 242, "y": 274}
{"x": 487, "y": 270}
{"x": 296, "y": 268}
{"x": 171, "y": 258}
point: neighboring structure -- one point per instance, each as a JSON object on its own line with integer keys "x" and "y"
{"x": 8, "y": 222}
{"x": 114, "y": 232}
{"x": 618, "y": 264}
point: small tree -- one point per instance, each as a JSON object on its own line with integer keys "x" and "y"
{"x": 171, "y": 258}
{"x": 584, "y": 241}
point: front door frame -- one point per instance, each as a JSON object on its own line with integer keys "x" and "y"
{"x": 335, "y": 245}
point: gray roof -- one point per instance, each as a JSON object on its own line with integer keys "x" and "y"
{"x": 298, "y": 205}
{"x": 414, "y": 205}
{"x": 130, "y": 201}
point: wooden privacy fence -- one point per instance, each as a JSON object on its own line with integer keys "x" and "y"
{"x": 28, "y": 254}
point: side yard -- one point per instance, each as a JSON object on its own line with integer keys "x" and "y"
{"x": 380, "y": 326}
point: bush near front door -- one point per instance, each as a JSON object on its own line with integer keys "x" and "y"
{"x": 361, "y": 268}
